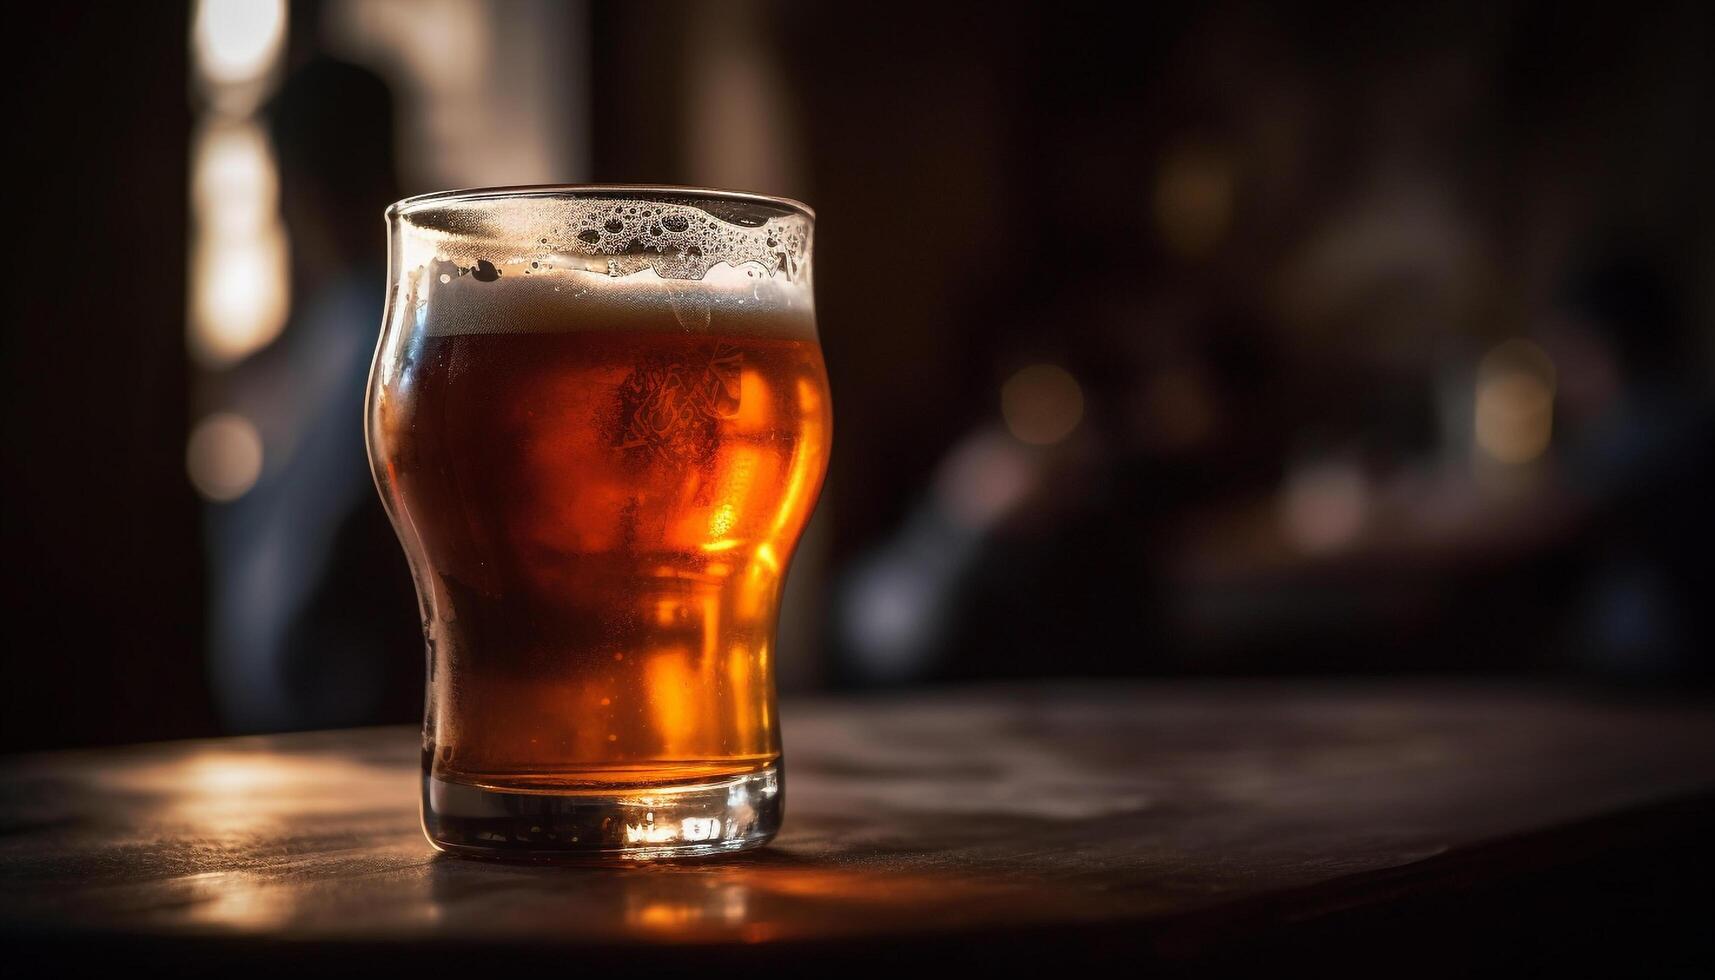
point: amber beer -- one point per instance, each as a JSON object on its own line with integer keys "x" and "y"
{"x": 599, "y": 479}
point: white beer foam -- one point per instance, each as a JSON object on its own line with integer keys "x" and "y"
{"x": 679, "y": 237}
{"x": 448, "y": 300}
{"x": 534, "y": 261}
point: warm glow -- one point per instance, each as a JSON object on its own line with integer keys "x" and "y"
{"x": 660, "y": 915}
{"x": 740, "y": 671}
{"x": 756, "y": 588}
{"x": 216, "y": 774}
{"x": 755, "y": 405}
{"x": 650, "y": 832}
{"x": 219, "y": 796}
{"x": 234, "y": 183}
{"x": 670, "y": 909}
{"x": 663, "y": 829}
{"x": 668, "y": 611}
{"x": 807, "y": 459}
{"x": 673, "y": 701}
{"x": 765, "y": 556}
{"x": 733, "y": 493}
{"x": 721, "y": 521}
{"x": 700, "y": 828}
{"x": 731, "y": 517}
{"x": 224, "y": 456}
{"x": 1514, "y": 413}
{"x": 239, "y": 256}
{"x": 711, "y": 631}
{"x": 239, "y": 302}
{"x": 237, "y": 41}
{"x": 1324, "y": 505}
{"x": 1041, "y": 404}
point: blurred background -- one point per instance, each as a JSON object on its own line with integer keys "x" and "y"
{"x": 1361, "y": 339}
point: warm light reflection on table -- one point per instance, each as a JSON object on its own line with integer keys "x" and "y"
{"x": 906, "y": 817}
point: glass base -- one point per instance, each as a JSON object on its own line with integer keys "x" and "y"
{"x": 699, "y": 819}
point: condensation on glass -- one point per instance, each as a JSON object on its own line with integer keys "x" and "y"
{"x": 599, "y": 420}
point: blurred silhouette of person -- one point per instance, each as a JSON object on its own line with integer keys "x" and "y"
{"x": 312, "y": 609}
{"x": 1641, "y": 453}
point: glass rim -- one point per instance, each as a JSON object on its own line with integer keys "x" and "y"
{"x": 471, "y": 195}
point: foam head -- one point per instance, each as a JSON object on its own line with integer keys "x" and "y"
{"x": 604, "y": 258}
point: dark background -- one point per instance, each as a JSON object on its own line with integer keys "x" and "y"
{"x": 1281, "y": 254}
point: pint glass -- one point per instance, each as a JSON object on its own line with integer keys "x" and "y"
{"x": 598, "y": 418}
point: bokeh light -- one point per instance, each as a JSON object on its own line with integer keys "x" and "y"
{"x": 224, "y": 456}
{"x": 240, "y": 302}
{"x": 233, "y": 178}
{"x": 1324, "y": 505}
{"x": 237, "y": 41}
{"x": 1514, "y": 414}
{"x": 240, "y": 262}
{"x": 1042, "y": 404}
{"x": 239, "y": 257}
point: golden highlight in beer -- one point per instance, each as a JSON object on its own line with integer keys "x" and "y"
{"x": 600, "y": 428}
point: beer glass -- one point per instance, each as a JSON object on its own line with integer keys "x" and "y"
{"x": 598, "y": 418}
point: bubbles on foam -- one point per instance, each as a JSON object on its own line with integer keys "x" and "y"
{"x": 618, "y": 236}
{"x": 548, "y": 263}
{"x": 682, "y": 240}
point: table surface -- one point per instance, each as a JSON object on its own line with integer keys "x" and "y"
{"x": 1015, "y": 810}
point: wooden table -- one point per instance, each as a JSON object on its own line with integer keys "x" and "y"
{"x": 1187, "y": 825}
